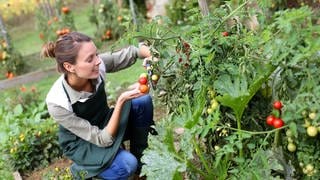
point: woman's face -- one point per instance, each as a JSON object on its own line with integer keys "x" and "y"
{"x": 87, "y": 62}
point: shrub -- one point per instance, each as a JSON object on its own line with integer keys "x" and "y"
{"x": 29, "y": 139}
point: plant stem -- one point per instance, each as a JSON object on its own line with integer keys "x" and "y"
{"x": 202, "y": 159}
{"x": 240, "y": 135}
{"x": 231, "y": 14}
{"x": 153, "y": 38}
{"x": 254, "y": 132}
{"x": 189, "y": 164}
{"x": 277, "y": 138}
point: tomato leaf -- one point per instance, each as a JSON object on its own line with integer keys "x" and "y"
{"x": 236, "y": 92}
{"x": 18, "y": 110}
{"x": 160, "y": 163}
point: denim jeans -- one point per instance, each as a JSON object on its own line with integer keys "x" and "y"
{"x": 125, "y": 163}
{"x": 141, "y": 112}
{"x": 123, "y": 166}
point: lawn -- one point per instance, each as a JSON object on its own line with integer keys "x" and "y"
{"x": 25, "y": 36}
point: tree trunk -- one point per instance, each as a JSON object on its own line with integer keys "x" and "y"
{"x": 4, "y": 32}
{"x": 203, "y": 7}
{"x": 133, "y": 12}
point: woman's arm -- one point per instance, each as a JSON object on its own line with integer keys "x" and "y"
{"x": 79, "y": 126}
{"x": 113, "y": 124}
{"x": 123, "y": 58}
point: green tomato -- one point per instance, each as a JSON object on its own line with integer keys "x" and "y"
{"x": 312, "y": 115}
{"x": 309, "y": 168}
{"x": 292, "y": 147}
{"x": 154, "y": 77}
{"x": 312, "y": 131}
{"x": 289, "y": 133}
{"x": 214, "y": 104}
{"x": 209, "y": 110}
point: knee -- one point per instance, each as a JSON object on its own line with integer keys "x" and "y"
{"x": 143, "y": 101}
{"x": 130, "y": 163}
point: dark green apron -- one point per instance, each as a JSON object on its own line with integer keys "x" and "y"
{"x": 90, "y": 159}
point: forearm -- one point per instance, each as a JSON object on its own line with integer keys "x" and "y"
{"x": 113, "y": 124}
{"x": 80, "y": 127}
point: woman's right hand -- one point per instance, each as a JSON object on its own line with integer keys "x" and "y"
{"x": 130, "y": 94}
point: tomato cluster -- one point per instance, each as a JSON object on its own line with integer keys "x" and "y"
{"x": 213, "y": 104}
{"x": 144, "y": 80}
{"x": 273, "y": 120}
{"x": 143, "y": 83}
{"x": 311, "y": 126}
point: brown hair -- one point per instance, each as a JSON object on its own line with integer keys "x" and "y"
{"x": 65, "y": 49}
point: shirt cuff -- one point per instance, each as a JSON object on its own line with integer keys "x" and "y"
{"x": 106, "y": 138}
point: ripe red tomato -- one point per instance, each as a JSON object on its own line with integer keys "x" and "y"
{"x": 65, "y": 10}
{"x": 278, "y": 123}
{"x": 144, "y": 88}
{"x": 270, "y": 120}
{"x": 143, "y": 80}
{"x": 277, "y": 105}
{"x": 225, "y": 34}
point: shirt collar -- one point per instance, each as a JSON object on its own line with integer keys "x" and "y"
{"x": 81, "y": 96}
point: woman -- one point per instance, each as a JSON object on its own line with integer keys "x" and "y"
{"x": 90, "y": 133}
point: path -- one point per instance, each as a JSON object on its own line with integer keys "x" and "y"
{"x": 27, "y": 78}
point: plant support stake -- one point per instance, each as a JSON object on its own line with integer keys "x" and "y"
{"x": 203, "y": 7}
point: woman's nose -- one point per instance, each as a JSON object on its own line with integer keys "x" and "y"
{"x": 98, "y": 61}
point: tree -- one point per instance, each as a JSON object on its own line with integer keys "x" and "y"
{"x": 4, "y": 32}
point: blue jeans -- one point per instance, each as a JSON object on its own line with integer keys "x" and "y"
{"x": 141, "y": 112}
{"x": 123, "y": 166}
{"x": 125, "y": 163}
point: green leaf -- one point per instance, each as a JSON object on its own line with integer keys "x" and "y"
{"x": 236, "y": 92}
{"x": 159, "y": 162}
{"x": 18, "y": 110}
{"x": 196, "y": 109}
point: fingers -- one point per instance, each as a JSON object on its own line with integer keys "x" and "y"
{"x": 133, "y": 86}
{"x": 151, "y": 58}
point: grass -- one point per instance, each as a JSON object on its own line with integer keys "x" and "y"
{"x": 25, "y": 36}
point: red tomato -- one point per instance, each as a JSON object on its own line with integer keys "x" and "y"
{"x": 270, "y": 120}
{"x": 278, "y": 123}
{"x": 143, "y": 80}
{"x": 144, "y": 88}
{"x": 225, "y": 34}
{"x": 65, "y": 10}
{"x": 277, "y": 105}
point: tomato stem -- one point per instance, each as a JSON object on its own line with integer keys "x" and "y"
{"x": 253, "y": 132}
{"x": 277, "y": 138}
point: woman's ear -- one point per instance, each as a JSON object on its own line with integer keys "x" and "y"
{"x": 69, "y": 67}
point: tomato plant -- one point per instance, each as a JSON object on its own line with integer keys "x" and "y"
{"x": 110, "y": 20}
{"x": 219, "y": 90}
{"x": 52, "y": 26}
